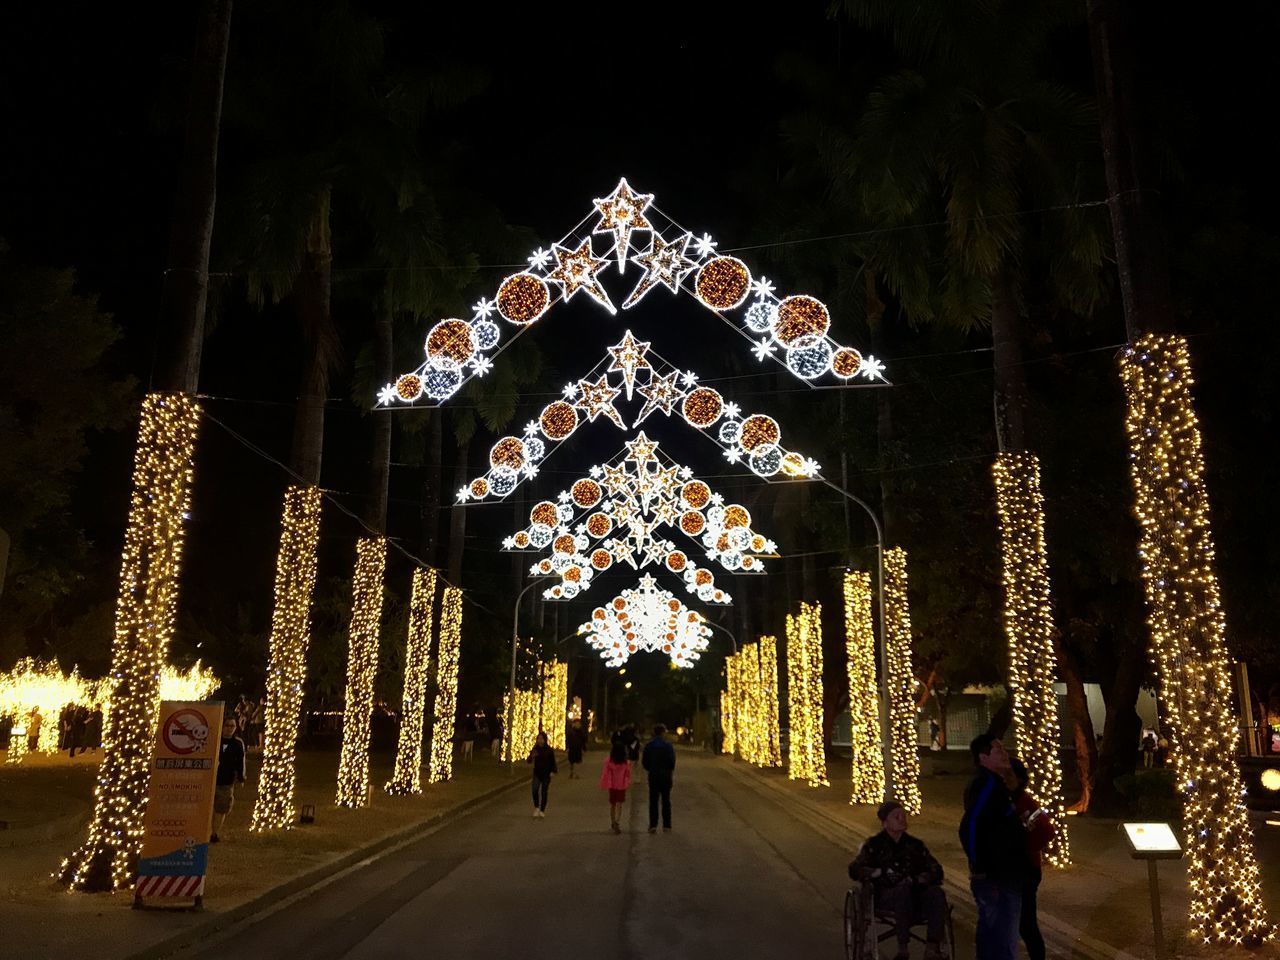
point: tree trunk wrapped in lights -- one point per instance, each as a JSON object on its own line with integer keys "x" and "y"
{"x": 728, "y": 745}
{"x": 362, "y": 669}
{"x": 287, "y": 660}
{"x": 806, "y": 757}
{"x": 1028, "y": 622}
{"x": 146, "y": 608}
{"x": 407, "y": 775}
{"x": 769, "y": 697}
{"x": 867, "y": 761}
{"x": 902, "y": 682}
{"x": 1188, "y": 629}
{"x": 753, "y": 748}
{"x": 525, "y": 717}
{"x": 447, "y": 653}
{"x": 553, "y": 702}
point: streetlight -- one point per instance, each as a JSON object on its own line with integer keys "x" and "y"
{"x": 724, "y": 630}
{"x": 515, "y": 640}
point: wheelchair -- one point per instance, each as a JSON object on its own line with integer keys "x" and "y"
{"x": 865, "y": 928}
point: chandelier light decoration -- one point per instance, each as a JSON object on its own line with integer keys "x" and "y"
{"x": 146, "y": 608}
{"x": 646, "y": 619}
{"x": 447, "y": 653}
{"x": 902, "y": 682}
{"x": 406, "y": 778}
{"x": 867, "y": 760}
{"x": 287, "y": 663}
{"x": 1028, "y": 619}
{"x": 632, "y": 366}
{"x": 362, "y": 669}
{"x": 806, "y": 757}
{"x": 792, "y": 330}
{"x": 1184, "y": 612}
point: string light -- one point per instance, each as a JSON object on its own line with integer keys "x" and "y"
{"x": 146, "y": 607}
{"x": 806, "y": 757}
{"x": 362, "y": 670}
{"x": 729, "y": 745}
{"x": 645, "y": 619}
{"x": 524, "y": 721}
{"x": 576, "y": 270}
{"x": 406, "y": 778}
{"x": 554, "y": 702}
{"x": 867, "y": 760}
{"x": 452, "y": 340}
{"x": 287, "y": 662}
{"x": 665, "y": 263}
{"x": 1184, "y": 612}
{"x": 723, "y": 283}
{"x": 621, "y": 213}
{"x": 772, "y": 756}
{"x": 523, "y": 298}
{"x": 902, "y": 682}
{"x": 1028, "y": 619}
{"x": 447, "y": 653}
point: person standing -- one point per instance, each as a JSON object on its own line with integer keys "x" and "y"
{"x": 616, "y": 777}
{"x": 1040, "y": 831}
{"x": 659, "y": 759}
{"x": 495, "y": 744}
{"x": 906, "y": 880}
{"x": 996, "y": 844}
{"x": 575, "y": 744}
{"x": 935, "y": 734}
{"x": 34, "y": 722}
{"x": 79, "y": 730}
{"x": 543, "y": 759}
{"x": 93, "y": 738}
{"x": 230, "y": 772}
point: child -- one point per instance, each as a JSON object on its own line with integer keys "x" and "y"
{"x": 616, "y": 777}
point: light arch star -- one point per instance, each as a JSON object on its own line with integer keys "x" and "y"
{"x": 640, "y": 450}
{"x": 576, "y": 270}
{"x": 660, "y": 393}
{"x": 664, "y": 263}
{"x": 628, "y": 359}
{"x": 597, "y": 398}
{"x": 621, "y": 213}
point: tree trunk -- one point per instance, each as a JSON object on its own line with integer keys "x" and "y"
{"x": 942, "y": 700}
{"x": 185, "y": 287}
{"x": 311, "y": 295}
{"x": 380, "y": 459}
{"x": 1120, "y": 732}
{"x": 458, "y": 518}
{"x": 1136, "y": 222}
{"x": 1081, "y": 725}
{"x": 431, "y": 483}
{"x": 1012, "y": 398}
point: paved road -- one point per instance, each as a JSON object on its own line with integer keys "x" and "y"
{"x": 739, "y": 877}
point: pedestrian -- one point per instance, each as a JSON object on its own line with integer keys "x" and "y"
{"x": 64, "y": 726}
{"x": 1162, "y": 750}
{"x": 79, "y": 729}
{"x": 996, "y": 845}
{"x": 495, "y": 745}
{"x": 660, "y": 761}
{"x": 935, "y": 734}
{"x": 632, "y": 740}
{"x": 34, "y": 722}
{"x": 230, "y": 772}
{"x": 94, "y": 735}
{"x": 468, "y": 738}
{"x": 543, "y": 759}
{"x": 1148, "y": 748}
{"x": 616, "y": 777}
{"x": 906, "y": 881}
{"x": 575, "y": 744}
{"x": 484, "y": 739}
{"x": 1040, "y": 831}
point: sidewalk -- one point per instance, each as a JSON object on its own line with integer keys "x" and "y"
{"x": 247, "y": 871}
{"x": 1097, "y": 907}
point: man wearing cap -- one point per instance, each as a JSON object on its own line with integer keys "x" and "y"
{"x": 905, "y": 879}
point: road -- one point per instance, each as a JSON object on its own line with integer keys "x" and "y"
{"x": 738, "y": 877}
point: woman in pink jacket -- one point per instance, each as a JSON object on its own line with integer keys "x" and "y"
{"x": 616, "y": 777}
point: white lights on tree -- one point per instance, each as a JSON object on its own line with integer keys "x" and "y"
{"x": 646, "y": 619}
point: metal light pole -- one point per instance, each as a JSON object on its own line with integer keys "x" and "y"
{"x": 724, "y": 630}
{"x": 511, "y": 699}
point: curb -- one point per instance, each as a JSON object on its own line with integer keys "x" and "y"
{"x": 249, "y": 908}
{"x": 1070, "y": 940}
{"x": 72, "y": 823}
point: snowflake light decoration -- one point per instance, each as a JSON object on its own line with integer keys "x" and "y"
{"x": 646, "y": 619}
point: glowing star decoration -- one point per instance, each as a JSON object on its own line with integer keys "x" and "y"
{"x": 597, "y": 398}
{"x": 628, "y": 359}
{"x": 576, "y": 270}
{"x": 665, "y": 263}
{"x": 660, "y": 393}
{"x": 621, "y": 213}
{"x": 641, "y": 450}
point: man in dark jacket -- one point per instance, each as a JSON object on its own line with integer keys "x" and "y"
{"x": 996, "y": 843}
{"x": 659, "y": 759}
{"x": 905, "y": 878}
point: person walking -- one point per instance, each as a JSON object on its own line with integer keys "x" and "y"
{"x": 1148, "y": 748}
{"x": 906, "y": 880}
{"x": 34, "y": 722}
{"x": 543, "y": 759}
{"x": 616, "y": 777}
{"x": 996, "y": 844}
{"x": 659, "y": 759}
{"x": 79, "y": 730}
{"x": 1040, "y": 831}
{"x": 93, "y": 738}
{"x": 230, "y": 772}
{"x": 575, "y": 745}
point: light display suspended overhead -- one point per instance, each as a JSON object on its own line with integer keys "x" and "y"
{"x": 646, "y": 619}
{"x": 631, "y": 367}
{"x": 793, "y": 330}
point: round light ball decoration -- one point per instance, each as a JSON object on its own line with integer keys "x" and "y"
{"x": 729, "y": 431}
{"x": 739, "y": 539}
{"x": 544, "y": 566}
{"x": 409, "y": 387}
{"x": 545, "y": 513}
{"x": 570, "y": 590}
{"x": 443, "y": 378}
{"x": 748, "y": 562}
{"x": 703, "y": 407}
{"x": 793, "y": 465}
{"x": 534, "y": 448}
{"x": 508, "y": 452}
{"x": 602, "y": 559}
{"x": 558, "y": 420}
{"x": 757, "y": 431}
{"x": 540, "y": 535}
{"x": 809, "y": 357}
{"x": 485, "y": 333}
{"x": 676, "y": 561}
{"x": 731, "y": 560}
{"x": 573, "y": 574}
{"x": 736, "y": 515}
{"x": 586, "y": 493}
{"x": 757, "y": 543}
{"x": 760, "y": 316}
{"x": 452, "y": 340}
{"x": 479, "y": 488}
{"x": 692, "y": 522}
{"x": 599, "y": 525}
{"x": 716, "y": 515}
{"x": 695, "y": 494}
{"x": 521, "y": 539}
{"x": 503, "y": 480}
{"x": 798, "y": 317}
{"x": 765, "y": 460}
{"x": 723, "y": 283}
{"x": 563, "y": 543}
{"x": 523, "y": 298}
{"x": 846, "y": 362}
{"x": 556, "y": 592}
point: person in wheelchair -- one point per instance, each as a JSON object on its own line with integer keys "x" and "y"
{"x": 905, "y": 879}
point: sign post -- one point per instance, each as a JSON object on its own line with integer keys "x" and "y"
{"x": 1152, "y": 842}
{"x": 175, "y": 842}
